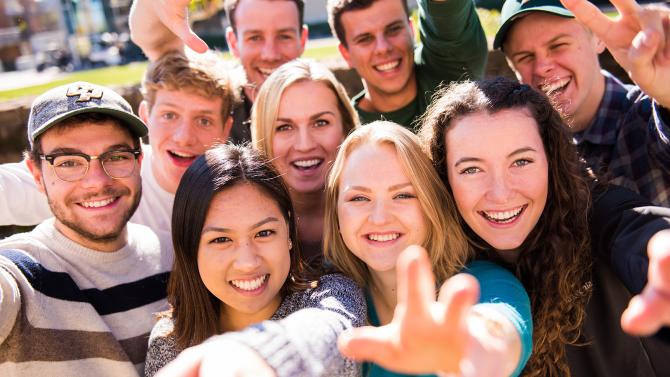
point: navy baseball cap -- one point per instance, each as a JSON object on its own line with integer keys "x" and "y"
{"x": 65, "y": 101}
{"x": 512, "y": 9}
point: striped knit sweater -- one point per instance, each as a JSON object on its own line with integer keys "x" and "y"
{"x": 66, "y": 310}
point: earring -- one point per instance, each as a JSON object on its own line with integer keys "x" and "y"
{"x": 290, "y": 244}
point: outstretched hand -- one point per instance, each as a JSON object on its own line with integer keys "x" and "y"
{"x": 639, "y": 40}
{"x": 650, "y": 310}
{"x": 218, "y": 358}
{"x": 425, "y": 335}
{"x": 158, "y": 26}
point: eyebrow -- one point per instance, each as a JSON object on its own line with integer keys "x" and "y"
{"x": 114, "y": 147}
{"x": 268, "y": 219}
{"x": 552, "y": 40}
{"x": 391, "y": 188}
{"x": 476, "y": 159}
{"x": 279, "y": 31}
{"x": 312, "y": 117}
{"x": 180, "y": 106}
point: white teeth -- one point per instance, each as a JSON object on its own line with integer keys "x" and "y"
{"x": 267, "y": 71}
{"x": 503, "y": 216}
{"x": 184, "y": 155}
{"x": 388, "y": 66}
{"x": 383, "y": 237}
{"x": 307, "y": 163}
{"x": 97, "y": 203}
{"x": 549, "y": 88}
{"x": 249, "y": 285}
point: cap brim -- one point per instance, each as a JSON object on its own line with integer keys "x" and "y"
{"x": 135, "y": 124}
{"x": 504, "y": 28}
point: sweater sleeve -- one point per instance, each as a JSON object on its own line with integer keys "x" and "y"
{"x": 304, "y": 343}
{"x": 10, "y": 300}
{"x": 21, "y": 203}
{"x": 621, "y": 224}
{"x": 162, "y": 347}
{"x": 453, "y": 44}
{"x": 501, "y": 291}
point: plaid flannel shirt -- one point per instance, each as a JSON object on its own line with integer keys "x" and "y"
{"x": 627, "y": 142}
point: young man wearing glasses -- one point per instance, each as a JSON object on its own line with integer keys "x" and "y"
{"x": 187, "y": 104}
{"x": 78, "y": 292}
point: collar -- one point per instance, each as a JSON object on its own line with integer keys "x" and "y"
{"x": 605, "y": 126}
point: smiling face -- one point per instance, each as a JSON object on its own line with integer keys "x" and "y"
{"x": 243, "y": 255}
{"x": 182, "y": 126}
{"x": 308, "y": 132}
{"x": 498, "y": 173}
{"x": 380, "y": 47}
{"x": 268, "y": 34}
{"x": 378, "y": 210}
{"x": 94, "y": 210}
{"x": 558, "y": 56}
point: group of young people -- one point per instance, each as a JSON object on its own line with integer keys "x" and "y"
{"x": 278, "y": 217}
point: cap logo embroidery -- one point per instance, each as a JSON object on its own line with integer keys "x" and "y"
{"x": 85, "y": 92}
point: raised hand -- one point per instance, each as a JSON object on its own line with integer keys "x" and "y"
{"x": 425, "y": 335}
{"x": 650, "y": 310}
{"x": 158, "y": 26}
{"x": 639, "y": 40}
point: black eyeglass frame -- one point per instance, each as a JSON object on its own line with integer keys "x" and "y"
{"x": 50, "y": 158}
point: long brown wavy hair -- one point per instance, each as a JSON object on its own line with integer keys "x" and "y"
{"x": 554, "y": 264}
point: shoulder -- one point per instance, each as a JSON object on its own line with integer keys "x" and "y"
{"x": 162, "y": 346}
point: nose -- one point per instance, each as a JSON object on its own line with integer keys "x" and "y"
{"x": 500, "y": 189}
{"x": 95, "y": 176}
{"x": 543, "y": 66}
{"x": 184, "y": 134}
{"x": 382, "y": 44}
{"x": 380, "y": 213}
{"x": 305, "y": 140}
{"x": 247, "y": 258}
{"x": 270, "y": 51}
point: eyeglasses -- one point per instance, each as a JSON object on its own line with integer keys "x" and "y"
{"x": 72, "y": 167}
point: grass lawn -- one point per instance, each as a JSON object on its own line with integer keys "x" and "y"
{"x": 132, "y": 73}
{"x": 129, "y": 74}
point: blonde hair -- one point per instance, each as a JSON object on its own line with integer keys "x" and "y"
{"x": 206, "y": 75}
{"x": 266, "y": 106}
{"x": 445, "y": 242}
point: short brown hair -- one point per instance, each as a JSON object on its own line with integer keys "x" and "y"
{"x": 231, "y": 5}
{"x": 337, "y": 7}
{"x": 206, "y": 75}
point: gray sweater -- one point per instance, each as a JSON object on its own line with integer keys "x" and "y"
{"x": 299, "y": 340}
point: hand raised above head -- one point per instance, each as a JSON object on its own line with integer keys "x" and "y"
{"x": 158, "y": 26}
{"x": 639, "y": 40}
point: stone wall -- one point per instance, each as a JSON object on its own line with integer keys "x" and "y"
{"x": 14, "y": 114}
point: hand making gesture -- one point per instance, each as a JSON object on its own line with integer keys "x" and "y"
{"x": 639, "y": 40}
{"x": 158, "y": 26}
{"x": 650, "y": 310}
{"x": 426, "y": 336}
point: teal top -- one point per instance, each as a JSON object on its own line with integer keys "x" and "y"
{"x": 500, "y": 290}
{"x": 453, "y": 48}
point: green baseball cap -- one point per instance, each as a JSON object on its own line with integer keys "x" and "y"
{"x": 512, "y": 9}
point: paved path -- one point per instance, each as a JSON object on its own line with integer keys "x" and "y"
{"x": 22, "y": 79}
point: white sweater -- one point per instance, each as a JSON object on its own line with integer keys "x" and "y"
{"x": 66, "y": 310}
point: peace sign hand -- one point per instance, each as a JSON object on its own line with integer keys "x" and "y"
{"x": 639, "y": 40}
